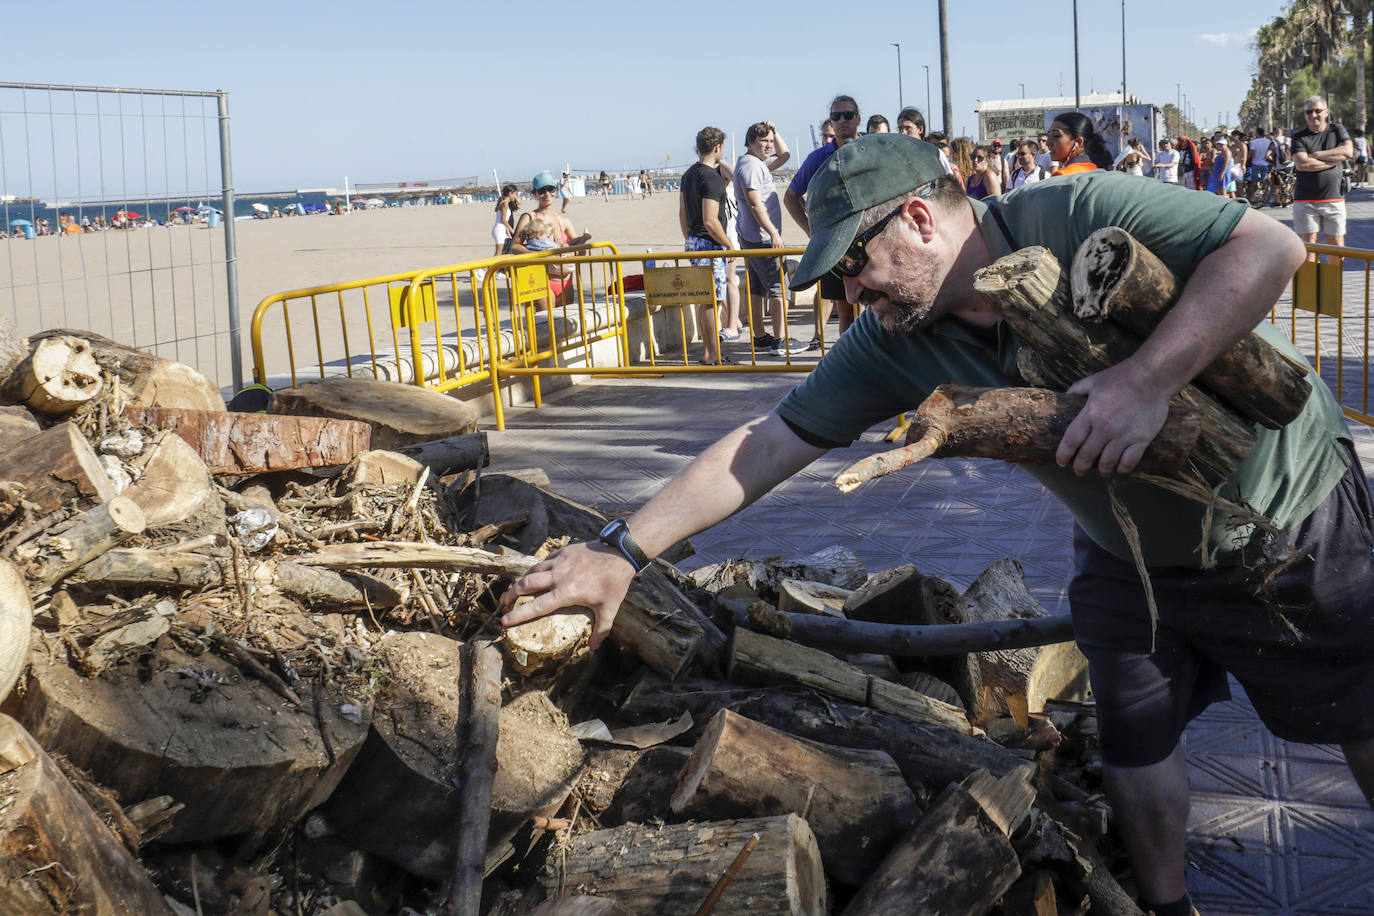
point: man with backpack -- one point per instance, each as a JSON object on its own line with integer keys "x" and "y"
{"x": 1027, "y": 171}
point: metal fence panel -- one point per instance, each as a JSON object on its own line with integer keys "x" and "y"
{"x": 116, "y": 209}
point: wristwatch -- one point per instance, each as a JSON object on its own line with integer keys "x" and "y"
{"x": 616, "y": 536}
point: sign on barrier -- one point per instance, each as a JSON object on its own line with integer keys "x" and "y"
{"x": 531, "y": 283}
{"x": 400, "y": 296}
{"x": 1317, "y": 288}
{"x": 665, "y": 286}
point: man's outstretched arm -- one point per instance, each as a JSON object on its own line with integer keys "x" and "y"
{"x": 725, "y": 478}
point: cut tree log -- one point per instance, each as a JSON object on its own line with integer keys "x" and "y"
{"x": 174, "y": 488}
{"x": 1020, "y": 679}
{"x": 903, "y": 595}
{"x": 956, "y": 861}
{"x": 55, "y": 466}
{"x": 62, "y": 550}
{"x": 1114, "y": 276}
{"x": 16, "y": 425}
{"x": 623, "y": 785}
{"x": 658, "y": 623}
{"x": 835, "y": 565}
{"x": 544, "y": 646}
{"x": 399, "y": 414}
{"x": 380, "y": 468}
{"x": 755, "y": 658}
{"x": 1020, "y": 425}
{"x": 250, "y": 443}
{"x": 855, "y": 801}
{"x": 464, "y": 452}
{"x": 14, "y": 347}
{"x": 146, "y": 380}
{"x": 669, "y": 870}
{"x": 398, "y": 800}
{"x": 929, "y": 756}
{"x": 58, "y": 376}
{"x": 798, "y": 596}
{"x": 16, "y": 620}
{"x": 58, "y": 857}
{"x": 1032, "y": 295}
{"x": 243, "y": 762}
{"x": 479, "y": 716}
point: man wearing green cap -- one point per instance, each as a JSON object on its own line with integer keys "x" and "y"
{"x": 1291, "y": 619}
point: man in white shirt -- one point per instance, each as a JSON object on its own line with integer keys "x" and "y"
{"x": 1166, "y": 163}
{"x": 1262, "y": 154}
{"x": 1026, "y": 170}
{"x": 1043, "y": 158}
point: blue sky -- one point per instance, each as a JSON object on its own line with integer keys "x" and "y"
{"x": 416, "y": 90}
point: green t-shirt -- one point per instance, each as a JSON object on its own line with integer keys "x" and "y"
{"x": 870, "y": 374}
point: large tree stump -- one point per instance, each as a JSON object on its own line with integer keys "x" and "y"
{"x": 56, "y": 856}
{"x": 235, "y": 753}
{"x": 399, "y": 801}
{"x": 1020, "y": 425}
{"x": 16, "y": 621}
{"x": 1032, "y": 296}
{"x": 250, "y": 443}
{"x": 758, "y": 659}
{"x": 400, "y": 414}
{"x": 928, "y": 755}
{"x": 57, "y": 377}
{"x": 855, "y": 801}
{"x": 1114, "y": 276}
{"x": 55, "y": 466}
{"x": 956, "y": 861}
{"x": 669, "y": 870}
{"x": 146, "y": 380}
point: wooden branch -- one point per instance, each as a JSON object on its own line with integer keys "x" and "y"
{"x": 756, "y": 658}
{"x": 1032, "y": 296}
{"x": 1020, "y": 425}
{"x": 840, "y": 635}
{"x": 57, "y": 555}
{"x": 1114, "y": 276}
{"x": 478, "y": 719}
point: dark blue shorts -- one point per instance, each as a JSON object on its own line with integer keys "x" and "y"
{"x": 1295, "y": 628}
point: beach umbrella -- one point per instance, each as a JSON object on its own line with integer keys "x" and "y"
{"x": 186, "y": 209}
{"x": 20, "y": 222}
{"x": 262, "y": 208}
{"x": 132, "y": 215}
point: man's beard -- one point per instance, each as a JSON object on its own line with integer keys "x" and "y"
{"x": 911, "y": 299}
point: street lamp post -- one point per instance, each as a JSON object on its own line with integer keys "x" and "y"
{"x": 1077, "y": 92}
{"x": 1178, "y": 109}
{"x": 1023, "y": 89}
{"x": 900, "y": 104}
{"x": 929, "y": 116}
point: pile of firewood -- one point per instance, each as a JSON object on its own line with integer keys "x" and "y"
{"x": 251, "y": 664}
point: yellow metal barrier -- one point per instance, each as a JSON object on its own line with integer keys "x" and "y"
{"x": 1320, "y": 299}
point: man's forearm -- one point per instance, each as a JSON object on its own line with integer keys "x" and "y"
{"x": 725, "y": 478}
{"x": 793, "y": 202}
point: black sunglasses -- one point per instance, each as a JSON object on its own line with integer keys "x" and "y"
{"x": 549, "y": 190}
{"x": 843, "y": 115}
{"x": 855, "y": 258}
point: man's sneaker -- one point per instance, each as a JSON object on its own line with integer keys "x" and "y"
{"x": 814, "y": 345}
{"x": 765, "y": 342}
{"x": 788, "y": 347}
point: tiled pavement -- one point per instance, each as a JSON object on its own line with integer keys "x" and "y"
{"x": 1276, "y": 828}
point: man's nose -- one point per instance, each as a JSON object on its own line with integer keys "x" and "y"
{"x": 853, "y": 289}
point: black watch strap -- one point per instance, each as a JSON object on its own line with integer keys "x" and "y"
{"x": 616, "y": 536}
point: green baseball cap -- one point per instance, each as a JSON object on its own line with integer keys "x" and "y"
{"x": 862, "y": 174}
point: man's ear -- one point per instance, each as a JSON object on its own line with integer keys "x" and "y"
{"x": 923, "y": 216}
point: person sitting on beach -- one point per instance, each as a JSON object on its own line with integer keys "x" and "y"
{"x": 545, "y": 189}
{"x": 538, "y": 235}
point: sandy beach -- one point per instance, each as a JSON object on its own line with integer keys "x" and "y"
{"x": 163, "y": 288}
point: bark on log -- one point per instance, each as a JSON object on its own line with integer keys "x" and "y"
{"x": 398, "y": 800}
{"x": 1114, "y": 276}
{"x": 16, "y": 425}
{"x": 929, "y": 756}
{"x": 1020, "y": 679}
{"x": 399, "y": 414}
{"x": 56, "y": 554}
{"x": 954, "y": 862}
{"x": 1032, "y": 296}
{"x": 242, "y": 762}
{"x": 250, "y": 443}
{"x": 448, "y": 456}
{"x": 476, "y": 739}
{"x": 58, "y": 376}
{"x": 653, "y": 620}
{"x": 16, "y": 622}
{"x": 146, "y": 380}
{"x": 669, "y": 870}
{"x": 56, "y": 855}
{"x": 759, "y": 659}
{"x": 1020, "y": 425}
{"x": 55, "y": 466}
{"x": 855, "y": 801}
